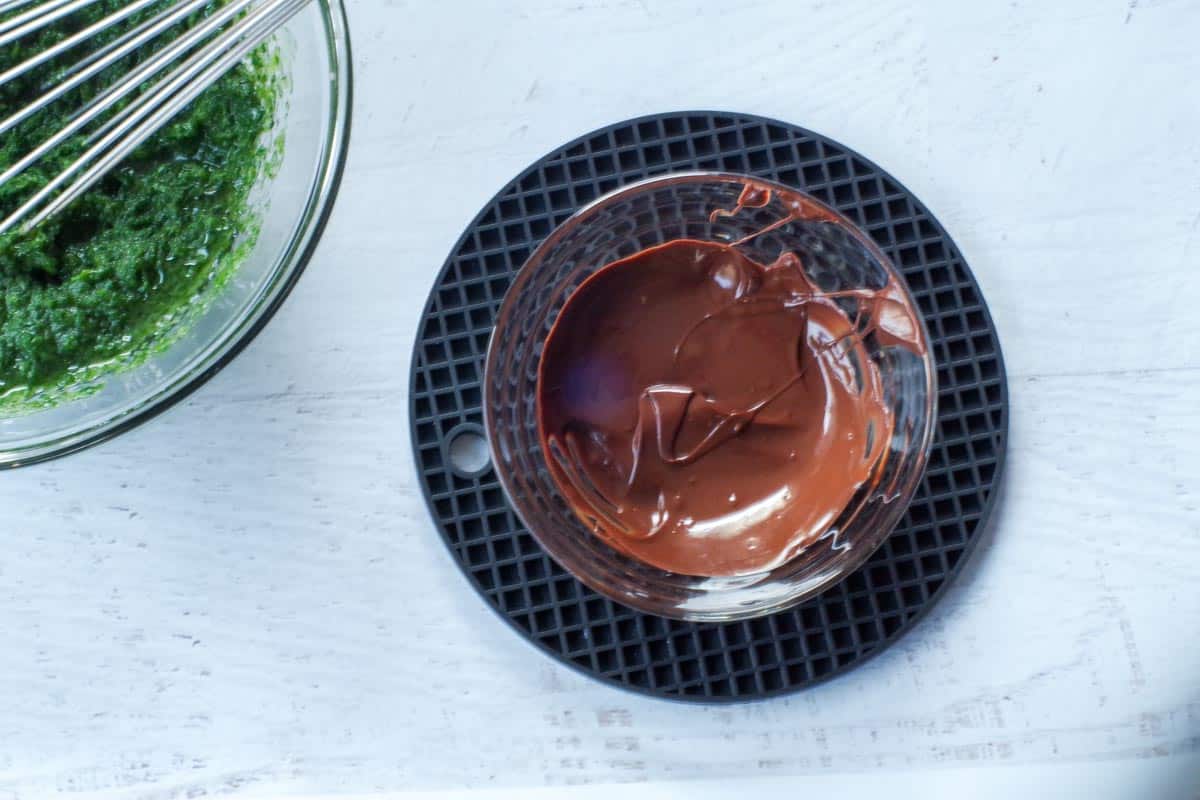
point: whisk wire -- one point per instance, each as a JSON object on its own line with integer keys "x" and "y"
{"x": 157, "y": 24}
{"x": 153, "y": 109}
{"x": 8, "y": 6}
{"x": 127, "y": 84}
{"x": 150, "y": 109}
{"x": 37, "y": 18}
{"x": 150, "y": 69}
{"x": 73, "y": 40}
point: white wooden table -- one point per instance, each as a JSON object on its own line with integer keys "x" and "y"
{"x": 247, "y": 596}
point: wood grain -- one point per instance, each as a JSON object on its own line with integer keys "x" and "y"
{"x": 247, "y": 594}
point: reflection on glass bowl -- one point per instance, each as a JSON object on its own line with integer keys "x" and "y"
{"x": 839, "y": 259}
{"x": 292, "y": 203}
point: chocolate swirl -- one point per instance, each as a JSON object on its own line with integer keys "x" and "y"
{"x": 711, "y": 415}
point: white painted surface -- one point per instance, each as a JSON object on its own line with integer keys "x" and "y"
{"x": 247, "y": 597}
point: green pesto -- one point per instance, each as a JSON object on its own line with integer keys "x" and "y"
{"x": 119, "y": 274}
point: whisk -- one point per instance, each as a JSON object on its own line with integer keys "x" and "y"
{"x": 161, "y": 85}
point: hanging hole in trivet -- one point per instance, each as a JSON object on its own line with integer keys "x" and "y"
{"x": 467, "y": 450}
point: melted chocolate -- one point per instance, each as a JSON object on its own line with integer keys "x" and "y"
{"x": 710, "y": 415}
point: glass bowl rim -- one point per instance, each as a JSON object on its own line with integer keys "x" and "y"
{"x": 294, "y": 259}
{"x": 858, "y": 555}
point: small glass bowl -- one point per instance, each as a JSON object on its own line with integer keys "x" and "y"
{"x": 837, "y": 256}
{"x": 314, "y": 50}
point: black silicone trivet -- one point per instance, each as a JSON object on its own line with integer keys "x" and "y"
{"x": 771, "y": 655}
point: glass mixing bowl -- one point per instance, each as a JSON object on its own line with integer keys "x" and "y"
{"x": 314, "y": 49}
{"x": 837, "y": 256}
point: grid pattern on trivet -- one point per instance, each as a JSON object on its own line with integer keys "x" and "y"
{"x": 781, "y": 652}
